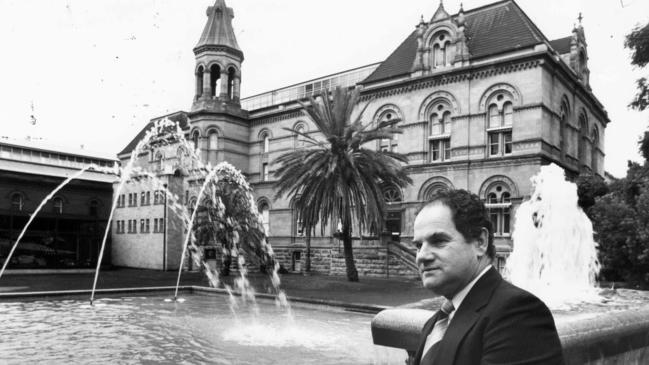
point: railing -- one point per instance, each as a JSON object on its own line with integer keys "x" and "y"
{"x": 308, "y": 88}
{"x": 404, "y": 253}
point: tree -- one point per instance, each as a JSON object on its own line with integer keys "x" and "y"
{"x": 638, "y": 42}
{"x": 227, "y": 216}
{"x": 589, "y": 187}
{"x": 338, "y": 179}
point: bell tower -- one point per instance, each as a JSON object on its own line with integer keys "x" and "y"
{"x": 218, "y": 63}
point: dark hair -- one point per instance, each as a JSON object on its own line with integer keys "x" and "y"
{"x": 469, "y": 214}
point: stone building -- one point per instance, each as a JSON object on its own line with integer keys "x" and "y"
{"x": 68, "y": 230}
{"x": 483, "y": 99}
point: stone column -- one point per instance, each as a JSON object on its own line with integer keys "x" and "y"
{"x": 237, "y": 88}
{"x": 224, "y": 85}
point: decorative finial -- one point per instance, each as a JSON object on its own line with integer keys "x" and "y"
{"x": 461, "y": 7}
{"x": 421, "y": 21}
{"x": 580, "y": 18}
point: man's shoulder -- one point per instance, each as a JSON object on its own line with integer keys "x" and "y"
{"x": 507, "y": 294}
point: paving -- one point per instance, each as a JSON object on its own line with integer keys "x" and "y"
{"x": 371, "y": 291}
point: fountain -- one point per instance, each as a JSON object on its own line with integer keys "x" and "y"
{"x": 155, "y": 328}
{"x": 555, "y": 258}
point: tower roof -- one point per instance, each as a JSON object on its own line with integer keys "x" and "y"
{"x": 218, "y": 30}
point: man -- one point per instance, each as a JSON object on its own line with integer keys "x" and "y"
{"x": 484, "y": 319}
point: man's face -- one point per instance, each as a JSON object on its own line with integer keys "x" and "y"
{"x": 446, "y": 261}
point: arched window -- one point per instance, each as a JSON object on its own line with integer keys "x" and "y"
{"x": 299, "y": 139}
{"x": 508, "y": 113}
{"x": 440, "y": 131}
{"x": 17, "y": 202}
{"x": 196, "y": 136}
{"x": 231, "y": 76}
{"x": 215, "y": 80}
{"x": 563, "y": 119}
{"x": 264, "y": 211}
{"x": 498, "y": 204}
{"x": 593, "y": 150}
{"x": 441, "y": 50}
{"x": 94, "y": 208}
{"x": 388, "y": 144}
{"x": 494, "y": 116}
{"x": 199, "y": 81}
{"x": 57, "y": 205}
{"x": 583, "y": 136}
{"x": 500, "y": 121}
{"x": 265, "y": 142}
{"x": 159, "y": 160}
{"x": 392, "y": 195}
{"x": 213, "y": 141}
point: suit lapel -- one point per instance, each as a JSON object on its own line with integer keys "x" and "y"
{"x": 467, "y": 314}
{"x": 428, "y": 327}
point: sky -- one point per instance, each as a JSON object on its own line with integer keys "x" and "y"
{"x": 93, "y": 73}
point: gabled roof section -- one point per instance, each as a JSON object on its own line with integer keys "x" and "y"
{"x": 561, "y": 45}
{"x": 490, "y": 29}
{"x": 440, "y": 13}
{"x": 180, "y": 117}
{"x": 218, "y": 30}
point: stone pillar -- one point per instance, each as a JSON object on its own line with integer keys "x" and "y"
{"x": 206, "y": 85}
{"x": 426, "y": 59}
{"x": 237, "y": 88}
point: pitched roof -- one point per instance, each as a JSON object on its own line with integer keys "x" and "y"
{"x": 561, "y": 45}
{"x": 490, "y": 29}
{"x": 218, "y": 29}
{"x": 180, "y": 117}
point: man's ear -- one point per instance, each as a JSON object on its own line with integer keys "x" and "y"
{"x": 482, "y": 243}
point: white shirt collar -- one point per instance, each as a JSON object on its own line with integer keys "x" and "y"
{"x": 459, "y": 297}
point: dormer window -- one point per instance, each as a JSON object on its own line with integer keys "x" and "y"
{"x": 441, "y": 49}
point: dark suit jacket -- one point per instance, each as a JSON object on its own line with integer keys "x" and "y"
{"x": 497, "y": 323}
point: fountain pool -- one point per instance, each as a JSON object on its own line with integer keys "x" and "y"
{"x": 200, "y": 329}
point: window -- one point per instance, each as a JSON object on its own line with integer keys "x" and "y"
{"x": 440, "y": 150}
{"x": 264, "y": 210}
{"x": 231, "y": 76}
{"x": 389, "y": 144}
{"x": 148, "y": 197}
{"x": 441, "y": 46}
{"x": 500, "y": 143}
{"x": 142, "y": 198}
{"x": 583, "y": 137}
{"x": 215, "y": 81}
{"x": 563, "y": 119}
{"x": 593, "y": 150}
{"x": 265, "y": 142}
{"x": 299, "y": 139}
{"x": 498, "y": 204}
{"x": 196, "y": 140}
{"x": 159, "y": 160}
{"x": 57, "y": 205}
{"x": 17, "y": 202}
{"x": 94, "y": 208}
{"x": 146, "y": 225}
{"x": 213, "y": 141}
{"x": 264, "y": 171}
{"x": 392, "y": 195}
{"x": 142, "y": 226}
{"x": 440, "y": 120}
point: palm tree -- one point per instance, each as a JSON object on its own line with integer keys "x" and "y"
{"x": 337, "y": 179}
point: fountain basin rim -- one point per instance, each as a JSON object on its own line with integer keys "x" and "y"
{"x": 194, "y": 289}
{"x": 76, "y": 292}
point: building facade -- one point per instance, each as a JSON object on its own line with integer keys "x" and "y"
{"x": 68, "y": 230}
{"x": 483, "y": 99}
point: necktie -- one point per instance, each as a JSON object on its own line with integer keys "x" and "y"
{"x": 437, "y": 333}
